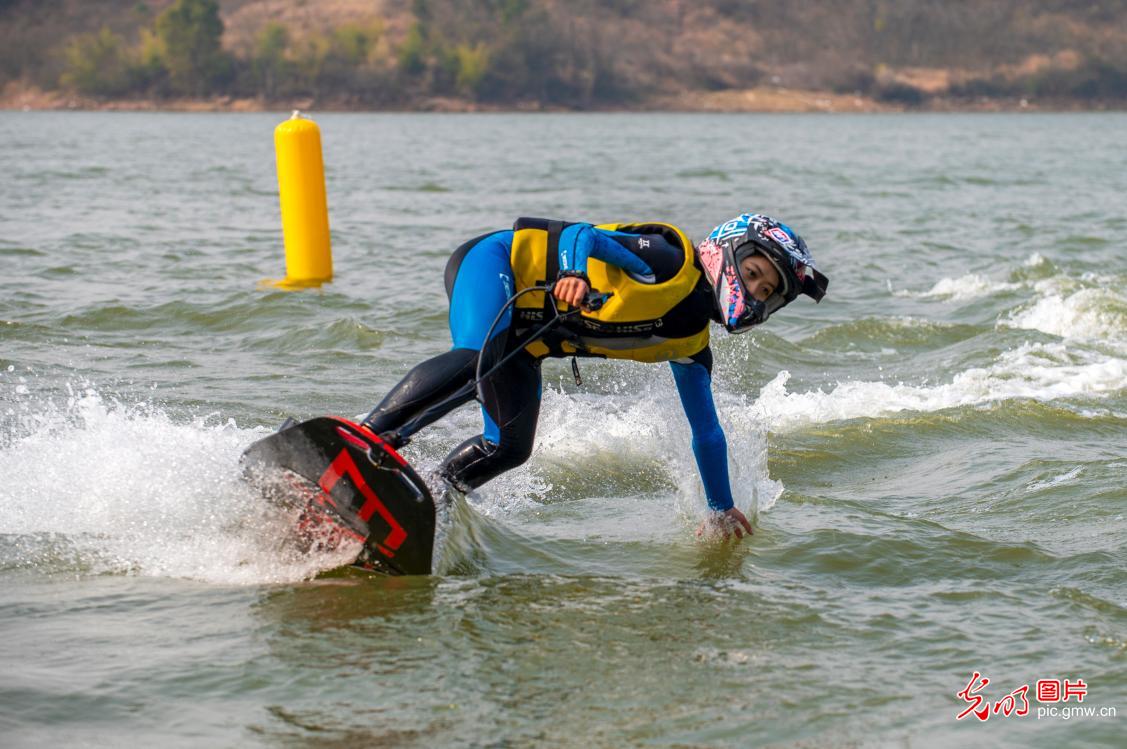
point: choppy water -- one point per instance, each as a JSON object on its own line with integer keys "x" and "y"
{"x": 937, "y": 453}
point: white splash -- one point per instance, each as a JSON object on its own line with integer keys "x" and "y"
{"x": 606, "y": 445}
{"x": 125, "y": 489}
{"x": 1063, "y": 478}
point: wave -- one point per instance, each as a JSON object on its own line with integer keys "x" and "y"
{"x": 972, "y": 286}
{"x": 1091, "y": 306}
{"x": 963, "y": 288}
{"x": 1069, "y": 310}
{"x": 1040, "y": 371}
{"x": 888, "y": 334}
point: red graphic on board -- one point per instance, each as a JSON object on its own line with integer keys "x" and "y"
{"x": 344, "y": 465}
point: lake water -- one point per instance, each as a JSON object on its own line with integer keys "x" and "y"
{"x": 937, "y": 453}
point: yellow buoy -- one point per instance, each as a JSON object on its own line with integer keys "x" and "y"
{"x": 305, "y": 211}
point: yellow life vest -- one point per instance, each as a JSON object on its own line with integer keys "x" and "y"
{"x": 640, "y": 321}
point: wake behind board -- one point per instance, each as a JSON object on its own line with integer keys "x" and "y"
{"x": 349, "y": 485}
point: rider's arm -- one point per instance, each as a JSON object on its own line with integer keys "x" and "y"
{"x": 694, "y": 384}
{"x": 581, "y": 241}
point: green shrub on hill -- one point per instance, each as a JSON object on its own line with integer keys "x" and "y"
{"x": 270, "y": 67}
{"x": 190, "y": 33}
{"x": 348, "y": 60}
{"x": 472, "y": 63}
{"x": 579, "y": 53}
{"x": 100, "y": 64}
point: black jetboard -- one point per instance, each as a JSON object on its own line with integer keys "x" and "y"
{"x": 348, "y": 485}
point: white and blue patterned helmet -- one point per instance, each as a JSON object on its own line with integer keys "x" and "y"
{"x": 749, "y": 233}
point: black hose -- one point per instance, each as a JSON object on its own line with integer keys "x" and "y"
{"x": 402, "y": 435}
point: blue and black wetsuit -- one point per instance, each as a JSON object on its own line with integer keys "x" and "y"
{"x": 480, "y": 280}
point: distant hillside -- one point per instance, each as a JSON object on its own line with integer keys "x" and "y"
{"x": 574, "y": 54}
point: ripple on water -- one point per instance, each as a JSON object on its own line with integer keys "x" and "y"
{"x": 874, "y": 334}
{"x": 21, "y": 252}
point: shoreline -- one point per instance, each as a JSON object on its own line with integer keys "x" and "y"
{"x": 766, "y": 99}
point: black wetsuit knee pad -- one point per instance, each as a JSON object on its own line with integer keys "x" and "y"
{"x": 476, "y": 461}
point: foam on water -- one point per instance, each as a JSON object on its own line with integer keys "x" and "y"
{"x": 1070, "y": 309}
{"x": 970, "y": 286}
{"x": 124, "y": 489}
{"x": 1089, "y": 314}
{"x": 1041, "y": 371}
{"x": 1036, "y": 273}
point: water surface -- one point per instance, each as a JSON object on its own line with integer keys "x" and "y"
{"x": 936, "y": 454}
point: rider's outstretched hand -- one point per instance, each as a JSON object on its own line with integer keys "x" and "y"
{"x": 724, "y": 524}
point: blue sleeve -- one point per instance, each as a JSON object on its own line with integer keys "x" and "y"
{"x": 694, "y": 384}
{"x": 581, "y": 241}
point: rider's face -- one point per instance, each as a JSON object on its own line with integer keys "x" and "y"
{"x": 759, "y": 276}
